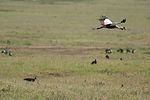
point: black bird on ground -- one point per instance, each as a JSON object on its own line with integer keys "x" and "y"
{"x": 133, "y": 51}
{"x": 120, "y": 50}
{"x": 94, "y": 62}
{"x": 30, "y": 79}
{"x": 121, "y": 59}
{"x": 122, "y": 85}
{"x": 108, "y": 51}
{"x": 6, "y": 51}
{"x": 10, "y": 53}
{"x": 107, "y": 56}
{"x": 128, "y": 50}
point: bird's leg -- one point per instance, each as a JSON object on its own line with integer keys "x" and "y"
{"x": 120, "y": 27}
{"x": 123, "y": 28}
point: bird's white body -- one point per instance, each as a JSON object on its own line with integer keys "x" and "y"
{"x": 106, "y": 22}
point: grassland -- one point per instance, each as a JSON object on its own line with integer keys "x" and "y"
{"x": 54, "y": 40}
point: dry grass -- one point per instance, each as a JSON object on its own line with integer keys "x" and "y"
{"x": 55, "y": 42}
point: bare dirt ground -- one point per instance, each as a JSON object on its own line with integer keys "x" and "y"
{"x": 55, "y": 49}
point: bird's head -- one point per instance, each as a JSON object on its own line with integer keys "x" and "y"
{"x": 103, "y": 17}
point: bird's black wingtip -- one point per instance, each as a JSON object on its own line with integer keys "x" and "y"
{"x": 124, "y": 20}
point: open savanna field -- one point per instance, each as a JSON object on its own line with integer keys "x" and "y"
{"x": 54, "y": 41}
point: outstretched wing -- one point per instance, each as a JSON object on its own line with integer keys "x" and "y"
{"x": 123, "y": 21}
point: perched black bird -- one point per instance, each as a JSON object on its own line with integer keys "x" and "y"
{"x": 107, "y": 56}
{"x": 30, "y": 79}
{"x": 94, "y": 62}
{"x": 121, "y": 85}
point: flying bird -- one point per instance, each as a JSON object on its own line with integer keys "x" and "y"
{"x": 107, "y": 23}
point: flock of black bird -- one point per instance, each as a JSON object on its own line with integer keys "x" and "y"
{"x": 6, "y": 51}
{"x": 108, "y": 51}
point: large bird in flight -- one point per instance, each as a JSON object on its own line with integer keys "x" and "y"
{"x": 107, "y": 23}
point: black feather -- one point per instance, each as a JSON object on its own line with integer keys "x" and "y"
{"x": 123, "y": 21}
